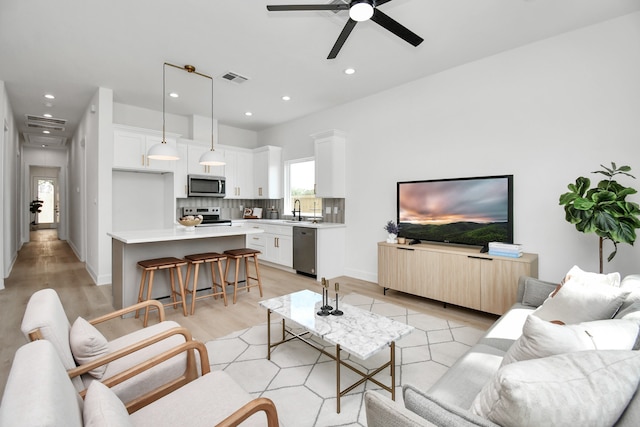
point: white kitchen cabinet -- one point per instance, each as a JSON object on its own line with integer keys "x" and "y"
{"x": 130, "y": 147}
{"x": 195, "y": 151}
{"x": 276, "y": 243}
{"x": 330, "y": 163}
{"x": 330, "y": 252}
{"x": 279, "y": 245}
{"x": 239, "y": 173}
{"x": 267, "y": 166}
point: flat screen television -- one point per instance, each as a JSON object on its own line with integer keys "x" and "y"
{"x": 465, "y": 211}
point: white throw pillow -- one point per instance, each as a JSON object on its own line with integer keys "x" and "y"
{"x": 102, "y": 408}
{"x": 87, "y": 343}
{"x": 589, "y": 278}
{"x": 541, "y": 338}
{"x": 585, "y": 388}
{"x": 577, "y": 302}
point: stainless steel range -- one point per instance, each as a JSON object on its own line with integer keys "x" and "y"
{"x": 210, "y": 216}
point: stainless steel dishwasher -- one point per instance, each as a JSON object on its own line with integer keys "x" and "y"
{"x": 304, "y": 250}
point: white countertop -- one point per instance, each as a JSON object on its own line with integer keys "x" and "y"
{"x": 289, "y": 223}
{"x": 179, "y": 232}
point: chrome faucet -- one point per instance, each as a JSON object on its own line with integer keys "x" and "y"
{"x": 296, "y": 202}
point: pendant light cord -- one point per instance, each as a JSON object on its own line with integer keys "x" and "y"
{"x": 163, "y": 106}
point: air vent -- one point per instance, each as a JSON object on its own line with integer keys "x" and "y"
{"x": 39, "y": 122}
{"x": 39, "y": 119}
{"x": 234, "y": 77}
{"x": 44, "y": 126}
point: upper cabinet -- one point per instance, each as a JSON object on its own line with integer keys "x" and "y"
{"x": 267, "y": 168}
{"x": 195, "y": 151}
{"x": 330, "y": 159}
{"x": 130, "y": 147}
{"x": 239, "y": 173}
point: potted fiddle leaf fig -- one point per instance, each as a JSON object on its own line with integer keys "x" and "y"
{"x": 603, "y": 209}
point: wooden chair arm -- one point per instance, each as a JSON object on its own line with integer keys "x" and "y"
{"x": 189, "y": 375}
{"x": 100, "y": 361}
{"x": 152, "y": 304}
{"x": 256, "y": 405}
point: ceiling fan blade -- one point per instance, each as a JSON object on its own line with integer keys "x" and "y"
{"x": 381, "y": 2}
{"x": 396, "y": 28}
{"x": 342, "y": 38}
{"x": 282, "y": 8}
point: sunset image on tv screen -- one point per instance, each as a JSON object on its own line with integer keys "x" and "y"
{"x": 469, "y": 211}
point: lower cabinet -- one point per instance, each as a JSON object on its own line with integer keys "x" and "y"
{"x": 276, "y": 244}
{"x": 459, "y": 276}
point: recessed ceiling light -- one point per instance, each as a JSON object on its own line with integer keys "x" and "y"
{"x": 248, "y": 114}
{"x": 286, "y": 98}
{"x": 47, "y": 115}
{"x": 350, "y": 71}
{"x": 46, "y": 131}
{"x": 49, "y": 96}
{"x": 174, "y": 95}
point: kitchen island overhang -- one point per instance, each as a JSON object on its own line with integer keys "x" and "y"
{"x": 129, "y": 247}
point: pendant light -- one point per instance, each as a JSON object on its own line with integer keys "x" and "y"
{"x": 162, "y": 150}
{"x": 211, "y": 158}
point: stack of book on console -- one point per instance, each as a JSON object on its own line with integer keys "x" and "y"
{"x": 512, "y": 250}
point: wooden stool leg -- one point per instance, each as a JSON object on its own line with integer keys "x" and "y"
{"x": 149, "y": 288}
{"x": 181, "y": 284}
{"x": 195, "y": 283}
{"x": 255, "y": 263}
{"x": 173, "y": 288}
{"x": 235, "y": 284}
{"x": 246, "y": 272}
{"x": 141, "y": 291}
{"x": 224, "y": 291}
{"x": 214, "y": 289}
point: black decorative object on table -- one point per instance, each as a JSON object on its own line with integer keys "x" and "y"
{"x": 337, "y": 312}
{"x": 325, "y": 291}
{"x": 325, "y": 308}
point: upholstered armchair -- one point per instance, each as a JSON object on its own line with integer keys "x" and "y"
{"x": 88, "y": 356}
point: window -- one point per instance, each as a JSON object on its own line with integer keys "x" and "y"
{"x": 300, "y": 185}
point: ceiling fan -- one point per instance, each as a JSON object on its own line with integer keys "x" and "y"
{"x": 359, "y": 10}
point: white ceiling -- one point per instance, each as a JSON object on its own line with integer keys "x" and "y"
{"x": 72, "y": 47}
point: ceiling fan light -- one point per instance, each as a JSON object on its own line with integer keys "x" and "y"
{"x": 211, "y": 158}
{"x": 361, "y": 10}
{"x": 163, "y": 151}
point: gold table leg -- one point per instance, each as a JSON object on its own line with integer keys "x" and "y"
{"x": 338, "y": 392}
{"x": 268, "y": 334}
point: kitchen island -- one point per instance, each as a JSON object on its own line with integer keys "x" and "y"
{"x": 129, "y": 247}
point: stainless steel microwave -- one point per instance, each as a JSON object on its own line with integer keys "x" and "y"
{"x": 206, "y": 185}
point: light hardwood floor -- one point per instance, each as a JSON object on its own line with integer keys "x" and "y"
{"x": 46, "y": 262}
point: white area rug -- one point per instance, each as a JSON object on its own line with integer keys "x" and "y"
{"x": 301, "y": 380}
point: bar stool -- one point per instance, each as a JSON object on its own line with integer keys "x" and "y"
{"x": 149, "y": 267}
{"x": 197, "y": 259}
{"x": 236, "y": 255}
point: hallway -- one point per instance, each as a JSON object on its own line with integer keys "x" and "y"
{"x": 45, "y": 262}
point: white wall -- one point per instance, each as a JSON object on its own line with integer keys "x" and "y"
{"x": 9, "y": 184}
{"x": 546, "y": 113}
{"x": 228, "y": 135}
{"x": 91, "y": 157}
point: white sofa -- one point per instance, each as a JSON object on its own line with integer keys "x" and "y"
{"x": 454, "y": 399}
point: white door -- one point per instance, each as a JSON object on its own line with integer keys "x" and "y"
{"x": 46, "y": 191}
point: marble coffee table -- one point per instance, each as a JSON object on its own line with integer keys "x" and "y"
{"x": 358, "y": 332}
